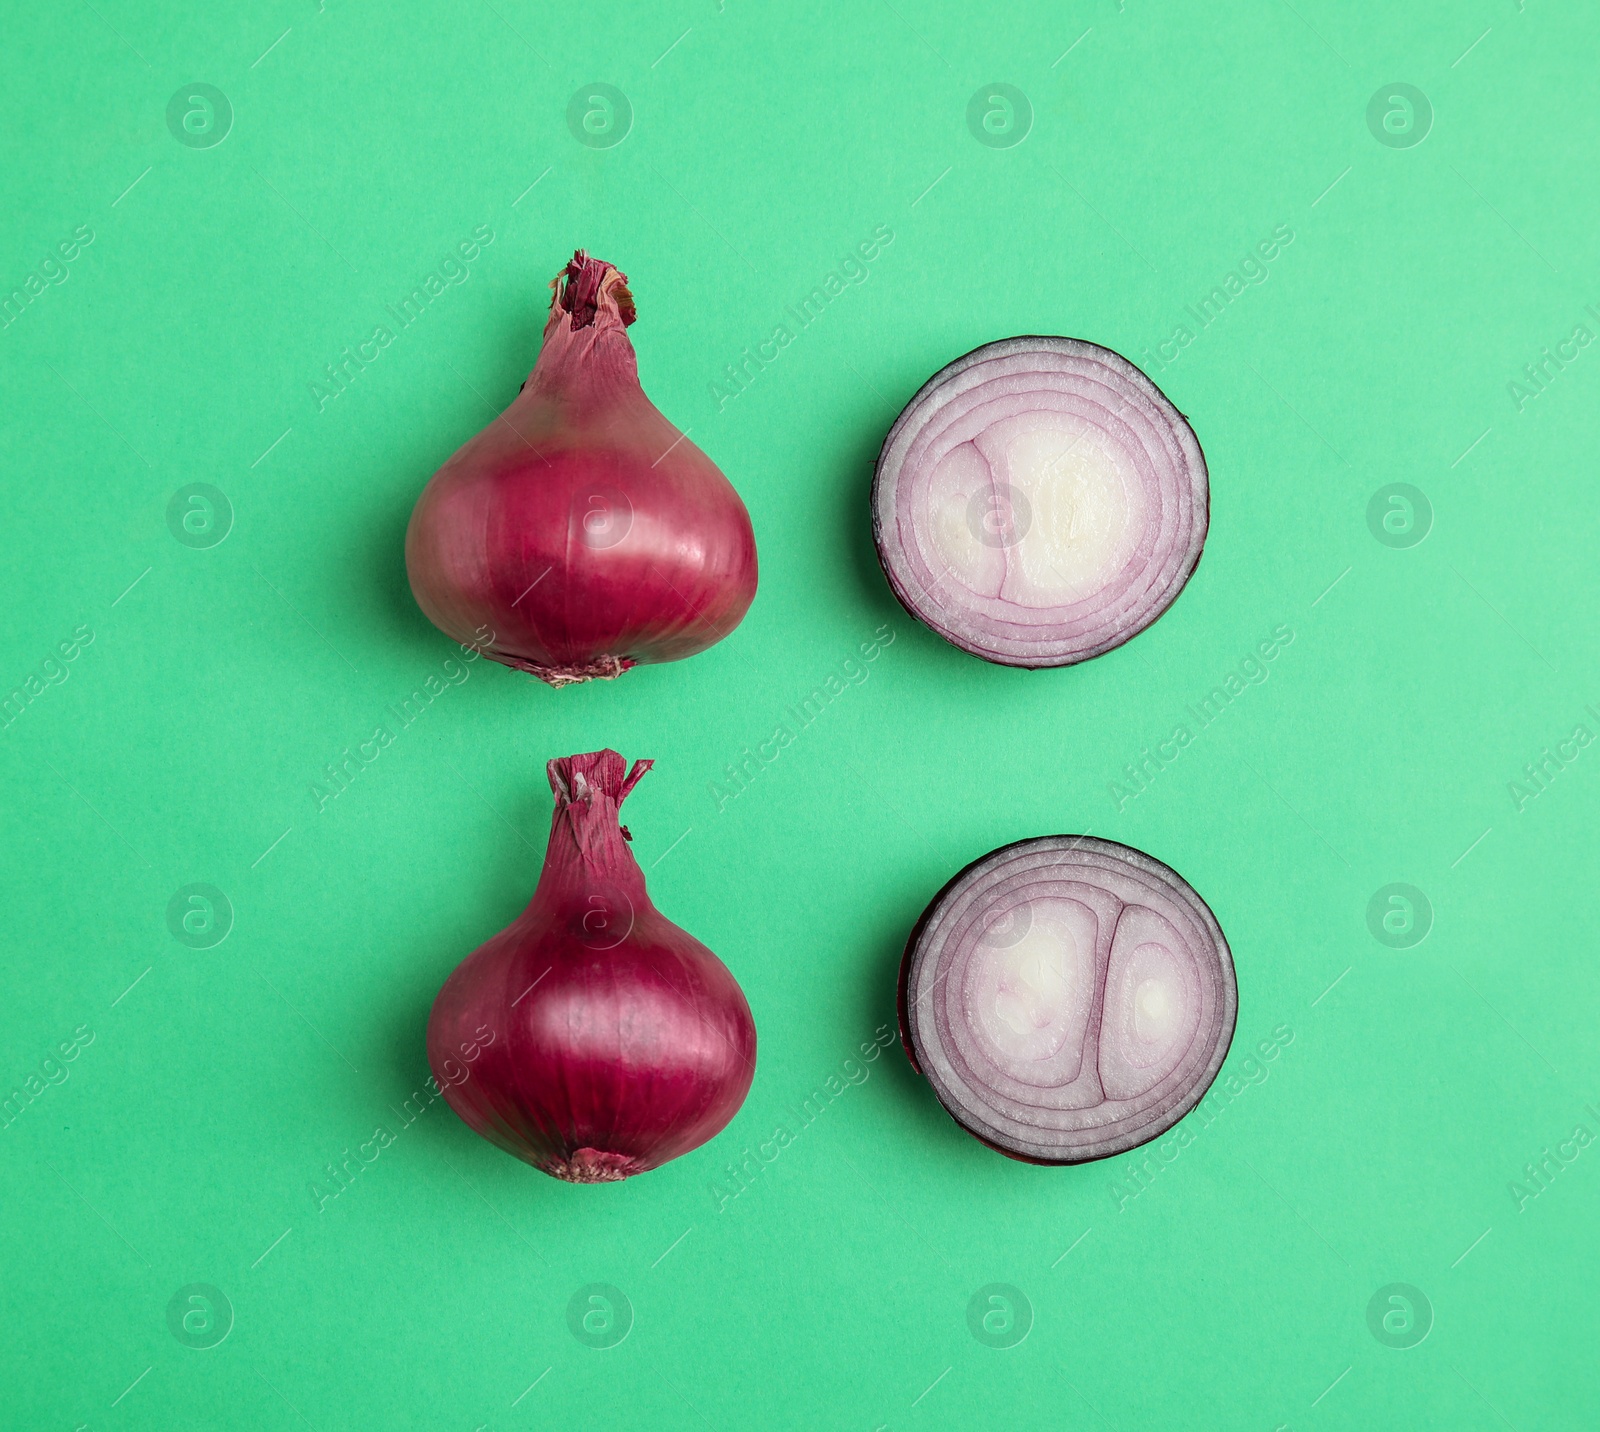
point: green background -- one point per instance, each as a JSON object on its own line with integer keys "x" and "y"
{"x": 1165, "y": 142}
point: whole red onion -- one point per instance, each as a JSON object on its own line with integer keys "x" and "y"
{"x": 592, "y": 1037}
{"x": 581, "y": 529}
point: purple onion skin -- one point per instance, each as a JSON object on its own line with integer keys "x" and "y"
{"x": 1072, "y": 634}
{"x": 581, "y": 533}
{"x": 616, "y": 1041}
{"x": 1222, "y": 1037}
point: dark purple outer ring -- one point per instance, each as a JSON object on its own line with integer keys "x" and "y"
{"x": 931, "y": 612}
{"x": 915, "y": 952}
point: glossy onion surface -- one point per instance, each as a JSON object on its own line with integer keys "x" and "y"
{"x": 581, "y": 533}
{"x": 592, "y": 1038}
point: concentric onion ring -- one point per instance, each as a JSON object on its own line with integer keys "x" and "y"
{"x": 1068, "y": 998}
{"x": 1039, "y": 502}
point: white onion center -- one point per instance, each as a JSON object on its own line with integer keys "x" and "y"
{"x": 1034, "y": 994}
{"x": 1040, "y": 511}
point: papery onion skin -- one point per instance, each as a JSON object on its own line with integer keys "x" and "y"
{"x": 1072, "y": 380}
{"x": 607, "y": 1040}
{"x": 1091, "y": 1130}
{"x": 581, "y": 533}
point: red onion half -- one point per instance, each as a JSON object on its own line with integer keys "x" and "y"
{"x": 592, "y": 1037}
{"x": 581, "y": 530}
{"x": 1039, "y": 502}
{"x": 1068, "y": 998}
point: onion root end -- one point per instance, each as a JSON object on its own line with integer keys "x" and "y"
{"x": 593, "y": 1166}
{"x": 602, "y": 668}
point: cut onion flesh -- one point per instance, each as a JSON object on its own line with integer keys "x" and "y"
{"x": 1068, "y": 998}
{"x": 1040, "y": 501}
